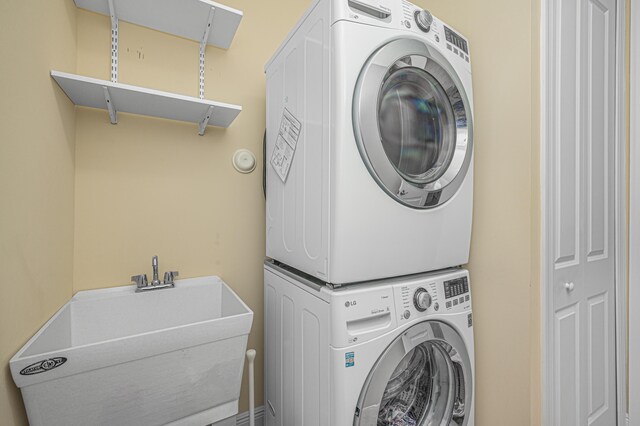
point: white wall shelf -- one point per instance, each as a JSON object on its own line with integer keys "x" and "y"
{"x": 114, "y": 97}
{"x": 204, "y": 21}
{"x": 184, "y": 18}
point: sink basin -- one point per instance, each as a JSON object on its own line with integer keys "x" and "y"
{"x": 116, "y": 357}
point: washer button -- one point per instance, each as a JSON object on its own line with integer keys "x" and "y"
{"x": 455, "y": 302}
{"x": 407, "y": 314}
{"x": 436, "y": 306}
{"x": 448, "y": 305}
{"x": 466, "y": 298}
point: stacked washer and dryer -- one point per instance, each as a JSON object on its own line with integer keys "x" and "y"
{"x": 369, "y": 189}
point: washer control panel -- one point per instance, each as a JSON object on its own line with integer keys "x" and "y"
{"x": 425, "y": 296}
{"x": 423, "y": 19}
{"x": 421, "y": 299}
{"x": 415, "y": 299}
{"x": 456, "y": 292}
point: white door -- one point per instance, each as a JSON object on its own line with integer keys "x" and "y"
{"x": 580, "y": 217}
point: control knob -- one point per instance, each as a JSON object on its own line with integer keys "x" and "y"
{"x": 421, "y": 299}
{"x": 424, "y": 19}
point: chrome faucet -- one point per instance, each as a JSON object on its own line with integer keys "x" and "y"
{"x": 142, "y": 283}
{"x": 154, "y": 265}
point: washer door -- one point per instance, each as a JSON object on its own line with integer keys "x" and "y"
{"x": 412, "y": 122}
{"x": 422, "y": 378}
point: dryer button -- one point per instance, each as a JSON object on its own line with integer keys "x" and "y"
{"x": 407, "y": 314}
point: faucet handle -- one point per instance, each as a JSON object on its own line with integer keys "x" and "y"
{"x": 169, "y": 276}
{"x": 140, "y": 280}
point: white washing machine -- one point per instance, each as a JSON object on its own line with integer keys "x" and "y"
{"x": 369, "y": 144}
{"x": 390, "y": 352}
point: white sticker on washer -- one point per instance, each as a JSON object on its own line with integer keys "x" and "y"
{"x": 286, "y": 143}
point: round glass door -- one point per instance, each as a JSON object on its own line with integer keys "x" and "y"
{"x": 412, "y": 124}
{"x": 428, "y": 384}
{"x": 417, "y": 127}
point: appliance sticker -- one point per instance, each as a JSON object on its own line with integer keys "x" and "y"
{"x": 286, "y": 142}
{"x": 349, "y": 359}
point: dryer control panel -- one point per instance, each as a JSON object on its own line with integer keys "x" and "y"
{"x": 421, "y": 21}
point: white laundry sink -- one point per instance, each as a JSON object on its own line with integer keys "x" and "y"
{"x": 116, "y": 357}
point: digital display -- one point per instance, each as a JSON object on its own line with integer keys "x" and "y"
{"x": 456, "y": 40}
{"x": 454, "y": 288}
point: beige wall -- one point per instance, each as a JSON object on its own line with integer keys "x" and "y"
{"x": 37, "y": 138}
{"x": 536, "y": 214}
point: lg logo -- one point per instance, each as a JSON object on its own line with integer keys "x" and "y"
{"x": 349, "y": 303}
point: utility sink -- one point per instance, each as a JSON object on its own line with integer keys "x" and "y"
{"x": 116, "y": 357}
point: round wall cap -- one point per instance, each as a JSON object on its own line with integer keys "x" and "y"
{"x": 244, "y": 161}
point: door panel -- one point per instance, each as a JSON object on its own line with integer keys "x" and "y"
{"x": 582, "y": 212}
{"x": 567, "y": 365}
{"x": 598, "y": 379}
{"x": 567, "y": 164}
{"x": 600, "y": 121}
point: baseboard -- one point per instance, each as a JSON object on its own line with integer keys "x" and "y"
{"x": 242, "y": 419}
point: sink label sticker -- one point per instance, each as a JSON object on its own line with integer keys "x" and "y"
{"x": 349, "y": 359}
{"x": 285, "y": 148}
{"x": 43, "y": 366}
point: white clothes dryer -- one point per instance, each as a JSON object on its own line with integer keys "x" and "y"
{"x": 389, "y": 352}
{"x": 369, "y": 143}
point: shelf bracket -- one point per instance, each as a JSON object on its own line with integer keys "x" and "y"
{"x": 113, "y": 114}
{"x": 114, "y": 42}
{"x": 203, "y": 47}
{"x": 205, "y": 120}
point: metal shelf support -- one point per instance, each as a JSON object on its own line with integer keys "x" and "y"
{"x": 203, "y": 46}
{"x": 114, "y": 42}
{"x": 113, "y": 114}
{"x": 205, "y": 120}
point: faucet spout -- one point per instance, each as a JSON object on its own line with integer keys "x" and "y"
{"x": 154, "y": 265}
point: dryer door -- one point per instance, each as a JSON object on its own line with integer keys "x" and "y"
{"x": 422, "y": 378}
{"x": 412, "y": 122}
